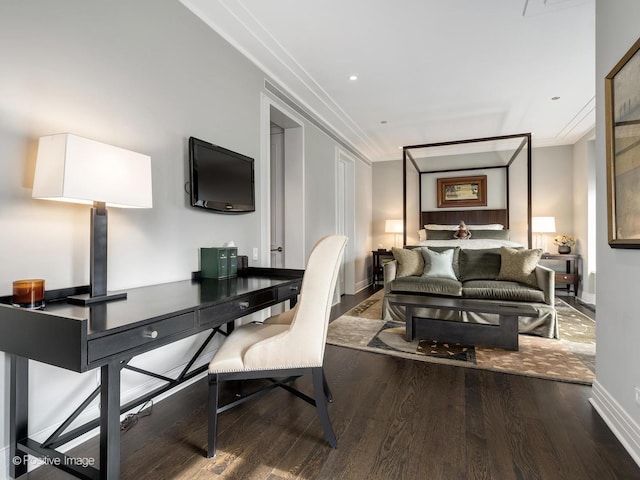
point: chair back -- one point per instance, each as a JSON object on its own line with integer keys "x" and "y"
{"x": 302, "y": 345}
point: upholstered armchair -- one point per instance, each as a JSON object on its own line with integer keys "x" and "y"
{"x": 287, "y": 345}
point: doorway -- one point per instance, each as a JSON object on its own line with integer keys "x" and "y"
{"x": 282, "y": 211}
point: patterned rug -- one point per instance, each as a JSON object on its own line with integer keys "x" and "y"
{"x": 571, "y": 358}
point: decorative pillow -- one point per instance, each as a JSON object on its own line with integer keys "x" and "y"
{"x": 422, "y": 235}
{"x": 519, "y": 265}
{"x": 437, "y": 226}
{"x": 438, "y": 265}
{"x": 440, "y": 234}
{"x": 490, "y": 234}
{"x": 456, "y": 257}
{"x": 410, "y": 261}
{"x": 480, "y": 264}
{"x": 490, "y": 226}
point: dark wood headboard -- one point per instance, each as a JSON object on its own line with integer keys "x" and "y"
{"x": 470, "y": 217}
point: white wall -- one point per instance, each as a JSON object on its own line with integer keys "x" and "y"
{"x": 145, "y": 76}
{"x": 364, "y": 207}
{"x": 618, "y": 325}
{"x": 552, "y": 189}
{"x": 584, "y": 215}
{"x": 386, "y": 200}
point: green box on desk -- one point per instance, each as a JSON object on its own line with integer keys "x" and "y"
{"x": 218, "y": 262}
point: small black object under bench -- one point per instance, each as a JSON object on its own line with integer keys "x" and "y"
{"x": 108, "y": 336}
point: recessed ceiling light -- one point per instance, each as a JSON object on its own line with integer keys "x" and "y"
{"x": 353, "y": 78}
{"x": 555, "y": 98}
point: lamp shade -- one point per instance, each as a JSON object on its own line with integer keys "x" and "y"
{"x": 543, "y": 224}
{"x": 75, "y": 169}
{"x": 393, "y": 226}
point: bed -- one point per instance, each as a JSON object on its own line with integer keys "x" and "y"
{"x": 502, "y": 165}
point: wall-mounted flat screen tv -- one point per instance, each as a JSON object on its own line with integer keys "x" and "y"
{"x": 221, "y": 180}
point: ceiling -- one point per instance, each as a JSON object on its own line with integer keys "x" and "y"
{"x": 428, "y": 70}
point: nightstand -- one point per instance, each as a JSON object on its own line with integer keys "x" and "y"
{"x": 570, "y": 276}
{"x": 378, "y": 259}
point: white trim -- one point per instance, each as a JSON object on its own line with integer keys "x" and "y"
{"x": 363, "y": 284}
{"x": 235, "y": 23}
{"x": 588, "y": 298}
{"x": 617, "y": 419}
{"x": 349, "y": 162}
{"x": 266, "y": 102}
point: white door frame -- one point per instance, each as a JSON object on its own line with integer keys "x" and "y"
{"x": 295, "y": 256}
{"x": 345, "y": 215}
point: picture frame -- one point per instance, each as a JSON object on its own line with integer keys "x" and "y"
{"x": 454, "y": 192}
{"x": 622, "y": 123}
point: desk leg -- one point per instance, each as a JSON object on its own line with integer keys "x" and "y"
{"x": 110, "y": 421}
{"x": 18, "y": 413}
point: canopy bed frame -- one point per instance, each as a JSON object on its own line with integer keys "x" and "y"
{"x": 510, "y": 148}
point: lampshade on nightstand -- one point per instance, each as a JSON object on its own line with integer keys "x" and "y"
{"x": 394, "y": 226}
{"x": 74, "y": 169}
{"x": 542, "y": 225}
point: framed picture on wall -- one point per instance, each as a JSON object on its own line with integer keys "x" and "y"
{"x": 456, "y": 192}
{"x": 622, "y": 95}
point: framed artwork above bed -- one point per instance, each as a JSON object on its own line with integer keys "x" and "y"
{"x": 455, "y": 192}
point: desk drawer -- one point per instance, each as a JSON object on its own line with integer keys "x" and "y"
{"x": 565, "y": 278}
{"x": 227, "y": 311}
{"x": 288, "y": 290}
{"x": 136, "y": 337}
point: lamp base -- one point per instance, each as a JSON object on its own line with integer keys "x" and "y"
{"x": 88, "y": 300}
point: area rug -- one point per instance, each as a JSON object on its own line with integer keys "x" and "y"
{"x": 571, "y": 358}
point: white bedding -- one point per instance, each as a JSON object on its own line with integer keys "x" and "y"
{"x": 471, "y": 244}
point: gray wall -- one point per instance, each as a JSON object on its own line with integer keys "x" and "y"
{"x": 141, "y": 75}
{"x": 618, "y": 331}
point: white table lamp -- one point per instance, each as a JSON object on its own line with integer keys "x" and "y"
{"x": 542, "y": 225}
{"x": 396, "y": 227}
{"x": 75, "y": 169}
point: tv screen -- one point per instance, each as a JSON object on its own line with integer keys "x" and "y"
{"x": 221, "y": 180}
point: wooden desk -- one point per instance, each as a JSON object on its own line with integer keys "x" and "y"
{"x": 108, "y": 336}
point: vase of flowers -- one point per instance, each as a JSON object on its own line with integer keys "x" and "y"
{"x": 564, "y": 242}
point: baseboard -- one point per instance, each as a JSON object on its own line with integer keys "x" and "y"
{"x": 588, "y": 298}
{"x": 362, "y": 285}
{"x": 621, "y": 424}
{"x": 94, "y": 411}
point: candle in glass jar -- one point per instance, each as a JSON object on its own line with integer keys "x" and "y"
{"x": 28, "y": 293}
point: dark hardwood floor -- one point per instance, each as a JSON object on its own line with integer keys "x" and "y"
{"x": 394, "y": 419}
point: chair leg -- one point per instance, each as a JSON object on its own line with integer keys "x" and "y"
{"x": 213, "y": 414}
{"x": 321, "y": 404}
{"x": 325, "y": 387}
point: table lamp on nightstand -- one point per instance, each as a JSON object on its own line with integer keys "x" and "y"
{"x": 395, "y": 227}
{"x": 78, "y": 170}
{"x": 540, "y": 225}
